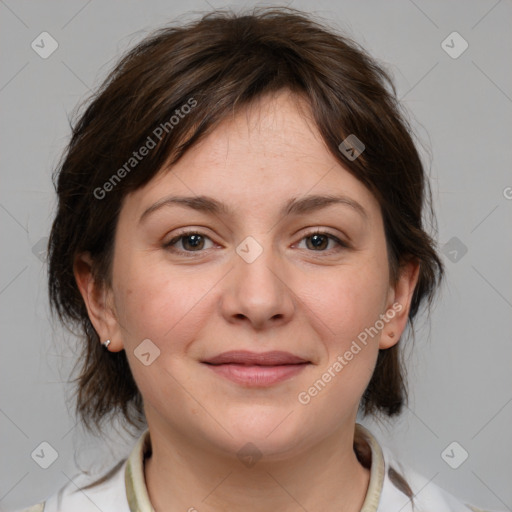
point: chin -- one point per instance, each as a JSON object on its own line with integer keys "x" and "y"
{"x": 272, "y": 434}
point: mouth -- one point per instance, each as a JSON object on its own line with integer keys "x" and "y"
{"x": 253, "y": 369}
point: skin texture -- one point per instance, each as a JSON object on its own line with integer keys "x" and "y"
{"x": 293, "y": 297}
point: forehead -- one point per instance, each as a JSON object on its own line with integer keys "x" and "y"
{"x": 278, "y": 126}
{"x": 264, "y": 155}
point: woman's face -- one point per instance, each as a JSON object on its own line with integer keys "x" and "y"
{"x": 252, "y": 276}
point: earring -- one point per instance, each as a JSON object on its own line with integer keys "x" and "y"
{"x": 106, "y": 344}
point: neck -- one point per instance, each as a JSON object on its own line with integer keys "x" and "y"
{"x": 327, "y": 476}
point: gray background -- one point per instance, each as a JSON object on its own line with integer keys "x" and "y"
{"x": 460, "y": 367}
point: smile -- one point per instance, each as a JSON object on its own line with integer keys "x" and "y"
{"x": 256, "y": 375}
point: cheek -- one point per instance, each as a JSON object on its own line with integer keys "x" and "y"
{"x": 166, "y": 308}
{"x": 160, "y": 303}
{"x": 347, "y": 301}
{"x": 348, "y": 310}
{"x": 346, "y": 304}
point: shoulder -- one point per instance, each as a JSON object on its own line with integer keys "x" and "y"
{"x": 410, "y": 491}
{"x": 34, "y": 508}
{"x": 86, "y": 494}
{"x": 396, "y": 486}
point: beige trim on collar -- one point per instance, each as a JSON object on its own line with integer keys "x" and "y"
{"x": 377, "y": 471}
{"x": 137, "y": 493}
{"x": 136, "y": 490}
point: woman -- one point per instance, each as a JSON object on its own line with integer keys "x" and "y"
{"x": 239, "y": 235}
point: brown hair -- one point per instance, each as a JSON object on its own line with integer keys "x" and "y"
{"x": 216, "y": 64}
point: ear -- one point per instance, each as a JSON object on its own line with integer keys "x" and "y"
{"x": 98, "y": 301}
{"x": 399, "y": 303}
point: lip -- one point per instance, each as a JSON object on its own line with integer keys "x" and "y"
{"x": 245, "y": 357}
{"x": 253, "y": 369}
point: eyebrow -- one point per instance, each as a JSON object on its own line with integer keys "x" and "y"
{"x": 295, "y": 206}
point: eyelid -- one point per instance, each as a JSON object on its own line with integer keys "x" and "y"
{"x": 341, "y": 244}
{"x": 183, "y": 234}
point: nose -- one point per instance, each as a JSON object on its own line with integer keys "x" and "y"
{"x": 258, "y": 292}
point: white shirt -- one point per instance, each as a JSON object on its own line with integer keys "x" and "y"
{"x": 125, "y": 489}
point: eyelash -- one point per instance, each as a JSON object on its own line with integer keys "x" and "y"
{"x": 168, "y": 245}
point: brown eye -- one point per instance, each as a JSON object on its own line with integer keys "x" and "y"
{"x": 191, "y": 241}
{"x": 318, "y": 242}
